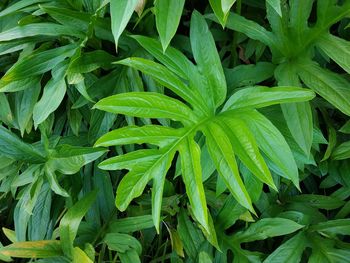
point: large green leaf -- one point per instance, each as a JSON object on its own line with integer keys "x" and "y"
{"x": 19, "y": 5}
{"x": 333, "y": 227}
{"x": 250, "y": 28}
{"x": 153, "y": 134}
{"x": 24, "y": 103}
{"x": 68, "y": 159}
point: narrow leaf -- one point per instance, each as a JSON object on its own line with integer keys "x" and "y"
{"x": 121, "y": 12}
{"x": 207, "y": 58}
{"x": 329, "y": 85}
{"x": 168, "y": 14}
{"x": 71, "y": 220}
{"x": 148, "y": 105}
{"x": 291, "y": 250}
{"x": 220, "y": 149}
{"x": 192, "y": 177}
{"x": 153, "y": 134}
{"x": 258, "y": 97}
{"x": 267, "y": 227}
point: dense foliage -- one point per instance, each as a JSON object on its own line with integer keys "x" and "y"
{"x": 175, "y": 131}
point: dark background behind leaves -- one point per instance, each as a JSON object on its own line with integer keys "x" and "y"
{"x": 159, "y": 131}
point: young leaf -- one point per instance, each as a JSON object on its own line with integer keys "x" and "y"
{"x": 80, "y": 256}
{"x": 221, "y": 9}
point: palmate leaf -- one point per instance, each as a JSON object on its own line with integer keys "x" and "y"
{"x": 227, "y": 133}
{"x": 292, "y": 41}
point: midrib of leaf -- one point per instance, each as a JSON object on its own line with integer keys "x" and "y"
{"x": 176, "y": 144}
{"x": 171, "y": 149}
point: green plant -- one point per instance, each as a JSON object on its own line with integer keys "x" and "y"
{"x": 227, "y": 142}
